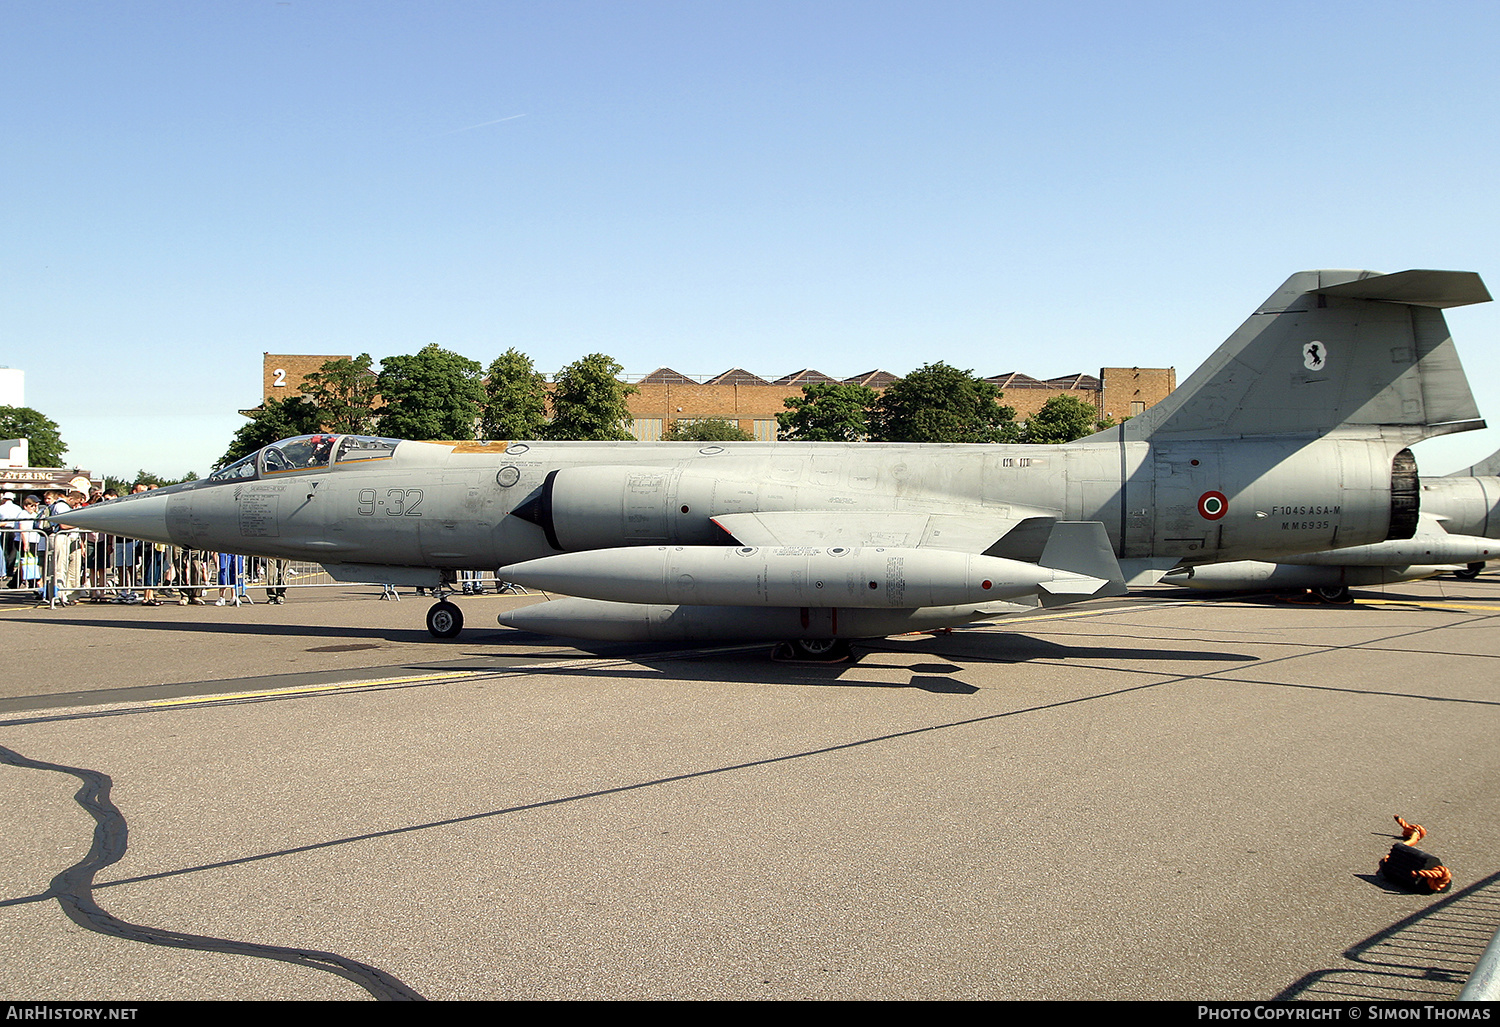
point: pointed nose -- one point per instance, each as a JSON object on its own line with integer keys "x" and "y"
{"x": 142, "y": 516}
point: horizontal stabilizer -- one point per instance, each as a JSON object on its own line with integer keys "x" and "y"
{"x": 1418, "y": 288}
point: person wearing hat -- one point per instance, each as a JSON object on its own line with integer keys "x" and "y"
{"x": 78, "y": 497}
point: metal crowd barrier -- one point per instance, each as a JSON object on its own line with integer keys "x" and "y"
{"x": 1484, "y": 982}
{"x": 68, "y": 566}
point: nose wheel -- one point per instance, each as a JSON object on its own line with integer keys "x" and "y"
{"x": 445, "y": 620}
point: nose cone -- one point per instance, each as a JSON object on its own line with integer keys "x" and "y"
{"x": 140, "y": 516}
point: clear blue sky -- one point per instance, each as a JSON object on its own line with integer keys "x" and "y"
{"x": 848, "y": 185}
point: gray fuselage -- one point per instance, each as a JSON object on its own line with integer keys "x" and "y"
{"x": 449, "y": 505}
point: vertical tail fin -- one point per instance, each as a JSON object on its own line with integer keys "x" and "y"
{"x": 1332, "y": 349}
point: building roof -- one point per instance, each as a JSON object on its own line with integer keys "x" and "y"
{"x": 1075, "y": 381}
{"x": 806, "y": 376}
{"x": 873, "y": 379}
{"x": 667, "y": 376}
{"x": 1017, "y": 380}
{"x": 737, "y": 376}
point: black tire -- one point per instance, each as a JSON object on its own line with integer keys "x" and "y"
{"x": 822, "y": 650}
{"x": 1334, "y": 596}
{"x": 1470, "y": 572}
{"x": 445, "y": 620}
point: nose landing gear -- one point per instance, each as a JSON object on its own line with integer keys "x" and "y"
{"x": 445, "y": 620}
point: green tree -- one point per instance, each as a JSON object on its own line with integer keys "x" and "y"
{"x": 44, "y": 442}
{"x": 939, "y": 403}
{"x": 828, "y": 412}
{"x": 277, "y": 419}
{"x": 588, "y": 402}
{"x": 144, "y": 477}
{"x": 515, "y": 398}
{"x": 708, "y": 429}
{"x": 1063, "y": 419}
{"x": 344, "y": 391}
{"x": 433, "y": 394}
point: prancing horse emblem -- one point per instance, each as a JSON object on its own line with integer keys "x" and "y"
{"x": 1314, "y": 356}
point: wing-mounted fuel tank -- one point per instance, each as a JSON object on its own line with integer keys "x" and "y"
{"x": 602, "y": 507}
{"x": 1218, "y": 499}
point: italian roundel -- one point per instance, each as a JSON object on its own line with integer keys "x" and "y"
{"x": 1213, "y": 505}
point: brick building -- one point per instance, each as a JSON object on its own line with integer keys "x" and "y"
{"x": 753, "y": 402}
{"x": 282, "y": 373}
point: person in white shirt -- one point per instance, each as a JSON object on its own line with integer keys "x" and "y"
{"x": 67, "y": 553}
{"x": 10, "y": 535}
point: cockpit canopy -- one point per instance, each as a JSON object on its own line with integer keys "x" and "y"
{"x": 307, "y": 453}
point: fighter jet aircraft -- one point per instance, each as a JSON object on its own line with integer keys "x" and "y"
{"x": 1457, "y": 532}
{"x": 1468, "y": 502}
{"x": 1291, "y": 438}
{"x": 1330, "y": 574}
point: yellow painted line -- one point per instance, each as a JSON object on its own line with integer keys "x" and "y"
{"x": 1428, "y": 604}
{"x": 312, "y": 689}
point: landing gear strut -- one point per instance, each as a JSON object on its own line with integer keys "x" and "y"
{"x": 444, "y": 619}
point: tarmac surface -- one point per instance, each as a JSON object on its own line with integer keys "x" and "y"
{"x": 1166, "y": 796}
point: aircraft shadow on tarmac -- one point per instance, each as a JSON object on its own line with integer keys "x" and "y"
{"x": 1291, "y": 597}
{"x": 751, "y": 664}
{"x": 1006, "y": 647}
{"x": 339, "y": 631}
{"x": 1426, "y": 956}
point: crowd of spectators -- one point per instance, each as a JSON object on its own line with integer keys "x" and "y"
{"x": 62, "y": 567}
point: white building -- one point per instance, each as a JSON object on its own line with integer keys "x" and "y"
{"x": 13, "y": 452}
{"x": 12, "y": 387}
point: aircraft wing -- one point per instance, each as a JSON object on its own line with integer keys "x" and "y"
{"x": 964, "y": 533}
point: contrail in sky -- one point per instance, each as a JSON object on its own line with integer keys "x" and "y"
{"x": 482, "y": 124}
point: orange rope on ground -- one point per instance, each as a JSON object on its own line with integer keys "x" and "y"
{"x": 1412, "y": 833}
{"x": 1436, "y": 879}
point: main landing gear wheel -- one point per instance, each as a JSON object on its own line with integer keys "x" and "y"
{"x": 445, "y": 620}
{"x": 813, "y": 650}
{"x": 1334, "y": 596}
{"x": 1470, "y": 572}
